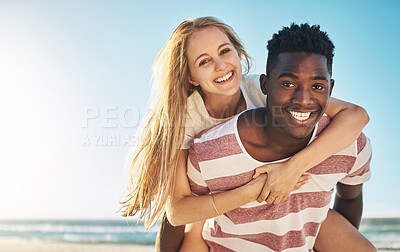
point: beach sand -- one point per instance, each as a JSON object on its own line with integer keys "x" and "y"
{"x": 37, "y": 246}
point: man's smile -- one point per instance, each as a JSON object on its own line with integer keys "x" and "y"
{"x": 300, "y": 116}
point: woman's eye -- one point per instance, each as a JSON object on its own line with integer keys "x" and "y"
{"x": 287, "y": 84}
{"x": 225, "y": 51}
{"x": 203, "y": 62}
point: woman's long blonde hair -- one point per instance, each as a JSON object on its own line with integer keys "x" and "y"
{"x": 155, "y": 159}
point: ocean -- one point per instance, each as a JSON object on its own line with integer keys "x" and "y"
{"x": 384, "y": 233}
{"x": 78, "y": 231}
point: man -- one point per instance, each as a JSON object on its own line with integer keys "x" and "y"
{"x": 298, "y": 86}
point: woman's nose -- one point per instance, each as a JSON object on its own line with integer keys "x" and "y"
{"x": 220, "y": 64}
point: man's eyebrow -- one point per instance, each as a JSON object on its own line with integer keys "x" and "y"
{"x": 288, "y": 75}
{"x": 319, "y": 77}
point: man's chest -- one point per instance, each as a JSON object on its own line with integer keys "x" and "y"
{"x": 238, "y": 170}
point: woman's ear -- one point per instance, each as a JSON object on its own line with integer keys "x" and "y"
{"x": 264, "y": 83}
{"x": 193, "y": 82}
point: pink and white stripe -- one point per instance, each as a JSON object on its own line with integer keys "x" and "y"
{"x": 218, "y": 162}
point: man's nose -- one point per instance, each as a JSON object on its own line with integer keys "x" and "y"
{"x": 302, "y": 97}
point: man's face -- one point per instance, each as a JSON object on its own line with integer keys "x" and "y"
{"x": 298, "y": 90}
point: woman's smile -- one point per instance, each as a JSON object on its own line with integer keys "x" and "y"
{"x": 226, "y": 78}
{"x": 214, "y": 63}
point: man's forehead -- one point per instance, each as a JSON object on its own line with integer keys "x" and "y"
{"x": 301, "y": 62}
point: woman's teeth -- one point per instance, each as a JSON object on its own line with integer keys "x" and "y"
{"x": 300, "y": 116}
{"x": 224, "y": 78}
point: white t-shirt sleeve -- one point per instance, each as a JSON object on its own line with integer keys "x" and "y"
{"x": 251, "y": 85}
{"x": 190, "y": 131}
{"x": 360, "y": 172}
{"x": 197, "y": 183}
{"x": 197, "y": 118}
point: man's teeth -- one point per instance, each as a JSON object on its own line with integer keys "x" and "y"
{"x": 300, "y": 116}
{"x": 224, "y": 78}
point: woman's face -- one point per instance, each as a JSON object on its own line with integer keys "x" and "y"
{"x": 214, "y": 63}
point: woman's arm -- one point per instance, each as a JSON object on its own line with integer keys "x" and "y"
{"x": 183, "y": 207}
{"x": 348, "y": 120}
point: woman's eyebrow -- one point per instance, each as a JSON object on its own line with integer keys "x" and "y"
{"x": 201, "y": 55}
{"x": 222, "y": 45}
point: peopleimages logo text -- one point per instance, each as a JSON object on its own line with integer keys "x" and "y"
{"x": 110, "y": 116}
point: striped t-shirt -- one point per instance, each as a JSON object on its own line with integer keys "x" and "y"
{"x": 218, "y": 162}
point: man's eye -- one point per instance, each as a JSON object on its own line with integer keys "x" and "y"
{"x": 318, "y": 87}
{"x": 203, "y": 62}
{"x": 287, "y": 84}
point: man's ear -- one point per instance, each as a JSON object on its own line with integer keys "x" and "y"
{"x": 332, "y": 84}
{"x": 264, "y": 83}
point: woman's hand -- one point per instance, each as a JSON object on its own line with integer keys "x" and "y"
{"x": 283, "y": 178}
{"x": 254, "y": 187}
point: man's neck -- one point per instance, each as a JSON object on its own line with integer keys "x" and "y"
{"x": 263, "y": 141}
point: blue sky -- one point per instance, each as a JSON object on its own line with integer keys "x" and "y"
{"x": 75, "y": 81}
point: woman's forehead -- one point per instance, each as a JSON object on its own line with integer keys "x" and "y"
{"x": 208, "y": 38}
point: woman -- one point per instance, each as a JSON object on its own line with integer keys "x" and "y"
{"x": 188, "y": 77}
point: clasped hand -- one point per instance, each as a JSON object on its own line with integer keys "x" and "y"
{"x": 281, "y": 181}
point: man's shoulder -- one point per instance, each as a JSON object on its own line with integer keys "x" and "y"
{"x": 352, "y": 162}
{"x": 220, "y": 138}
{"x": 323, "y": 123}
{"x": 360, "y": 143}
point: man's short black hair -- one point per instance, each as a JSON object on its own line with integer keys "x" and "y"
{"x": 303, "y": 38}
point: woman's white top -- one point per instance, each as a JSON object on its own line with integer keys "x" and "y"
{"x": 198, "y": 119}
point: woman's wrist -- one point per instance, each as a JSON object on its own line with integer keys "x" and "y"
{"x": 299, "y": 163}
{"x": 249, "y": 193}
